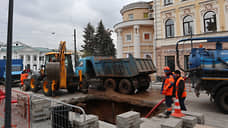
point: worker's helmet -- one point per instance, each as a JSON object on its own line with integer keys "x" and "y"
{"x": 166, "y": 69}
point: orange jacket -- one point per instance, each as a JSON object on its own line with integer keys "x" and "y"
{"x": 184, "y": 93}
{"x": 168, "y": 86}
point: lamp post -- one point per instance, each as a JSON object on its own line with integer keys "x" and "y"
{"x": 8, "y": 66}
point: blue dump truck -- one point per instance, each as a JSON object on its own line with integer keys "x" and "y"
{"x": 126, "y": 75}
{"x": 208, "y": 69}
{"x": 17, "y": 68}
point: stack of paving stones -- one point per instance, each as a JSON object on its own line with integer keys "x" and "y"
{"x": 202, "y": 126}
{"x": 129, "y": 119}
{"x": 189, "y": 121}
{"x": 77, "y": 121}
{"x": 172, "y": 123}
{"x": 40, "y": 109}
{"x": 22, "y": 106}
{"x": 199, "y": 116}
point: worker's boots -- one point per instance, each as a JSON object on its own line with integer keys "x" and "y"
{"x": 167, "y": 113}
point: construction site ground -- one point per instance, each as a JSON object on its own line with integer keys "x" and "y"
{"x": 213, "y": 117}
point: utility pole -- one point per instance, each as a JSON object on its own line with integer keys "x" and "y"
{"x": 75, "y": 49}
{"x": 8, "y": 66}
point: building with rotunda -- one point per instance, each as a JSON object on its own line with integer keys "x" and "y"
{"x": 135, "y": 32}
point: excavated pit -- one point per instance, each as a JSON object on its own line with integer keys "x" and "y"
{"x": 107, "y": 110}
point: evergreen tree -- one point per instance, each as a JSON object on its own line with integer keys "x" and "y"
{"x": 89, "y": 40}
{"x": 104, "y": 44}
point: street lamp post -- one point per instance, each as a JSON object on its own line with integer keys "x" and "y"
{"x": 8, "y": 66}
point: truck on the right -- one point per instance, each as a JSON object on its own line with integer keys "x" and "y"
{"x": 208, "y": 68}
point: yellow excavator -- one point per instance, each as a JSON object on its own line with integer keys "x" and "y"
{"x": 57, "y": 73}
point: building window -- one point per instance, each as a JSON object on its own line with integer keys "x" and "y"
{"x": 128, "y": 37}
{"x": 34, "y": 58}
{"x": 147, "y": 36}
{"x": 168, "y": 2}
{"x": 170, "y": 61}
{"x": 130, "y": 16}
{"x": 35, "y": 67}
{"x": 28, "y": 58}
{"x": 186, "y": 60}
{"x": 169, "y": 28}
{"x": 187, "y": 25}
{"x": 146, "y": 15}
{"x": 210, "y": 22}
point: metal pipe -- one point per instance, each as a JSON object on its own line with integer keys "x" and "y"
{"x": 155, "y": 36}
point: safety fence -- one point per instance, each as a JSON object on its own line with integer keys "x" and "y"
{"x": 35, "y": 111}
{"x": 20, "y": 109}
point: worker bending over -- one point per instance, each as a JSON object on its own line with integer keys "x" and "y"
{"x": 168, "y": 90}
{"x": 181, "y": 92}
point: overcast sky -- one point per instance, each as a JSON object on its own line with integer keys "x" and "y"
{"x": 43, "y": 23}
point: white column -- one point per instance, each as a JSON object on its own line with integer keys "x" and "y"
{"x": 119, "y": 44}
{"x": 136, "y": 41}
{"x": 24, "y": 61}
{"x": 38, "y": 61}
{"x": 31, "y": 60}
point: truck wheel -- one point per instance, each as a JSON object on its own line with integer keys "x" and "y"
{"x": 25, "y": 86}
{"x": 125, "y": 86}
{"x": 34, "y": 83}
{"x": 221, "y": 99}
{"x": 48, "y": 87}
{"x": 110, "y": 83}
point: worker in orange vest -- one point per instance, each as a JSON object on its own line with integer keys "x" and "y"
{"x": 181, "y": 92}
{"x": 167, "y": 90}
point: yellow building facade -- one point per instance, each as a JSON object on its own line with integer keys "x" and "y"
{"x": 177, "y": 19}
{"x": 135, "y": 32}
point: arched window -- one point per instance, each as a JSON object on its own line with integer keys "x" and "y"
{"x": 187, "y": 25}
{"x": 210, "y": 24}
{"x": 169, "y": 28}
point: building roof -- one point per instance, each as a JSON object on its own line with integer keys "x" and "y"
{"x": 17, "y": 46}
{"x": 134, "y": 6}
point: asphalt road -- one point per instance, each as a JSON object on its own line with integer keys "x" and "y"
{"x": 202, "y": 104}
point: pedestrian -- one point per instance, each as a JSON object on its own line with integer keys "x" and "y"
{"x": 181, "y": 92}
{"x": 167, "y": 90}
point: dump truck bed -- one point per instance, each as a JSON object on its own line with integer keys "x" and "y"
{"x": 124, "y": 67}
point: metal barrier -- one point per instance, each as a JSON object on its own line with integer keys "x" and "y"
{"x": 34, "y": 111}
{"x": 20, "y": 109}
{"x": 51, "y": 113}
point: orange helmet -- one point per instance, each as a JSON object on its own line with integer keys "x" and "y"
{"x": 166, "y": 69}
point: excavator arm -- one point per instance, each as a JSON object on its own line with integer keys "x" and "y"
{"x": 63, "y": 72}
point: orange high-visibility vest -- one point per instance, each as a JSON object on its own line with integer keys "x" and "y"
{"x": 184, "y": 94}
{"x": 166, "y": 90}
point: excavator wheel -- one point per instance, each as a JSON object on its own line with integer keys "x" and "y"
{"x": 48, "y": 87}
{"x": 125, "y": 86}
{"x": 34, "y": 83}
{"x": 110, "y": 84}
